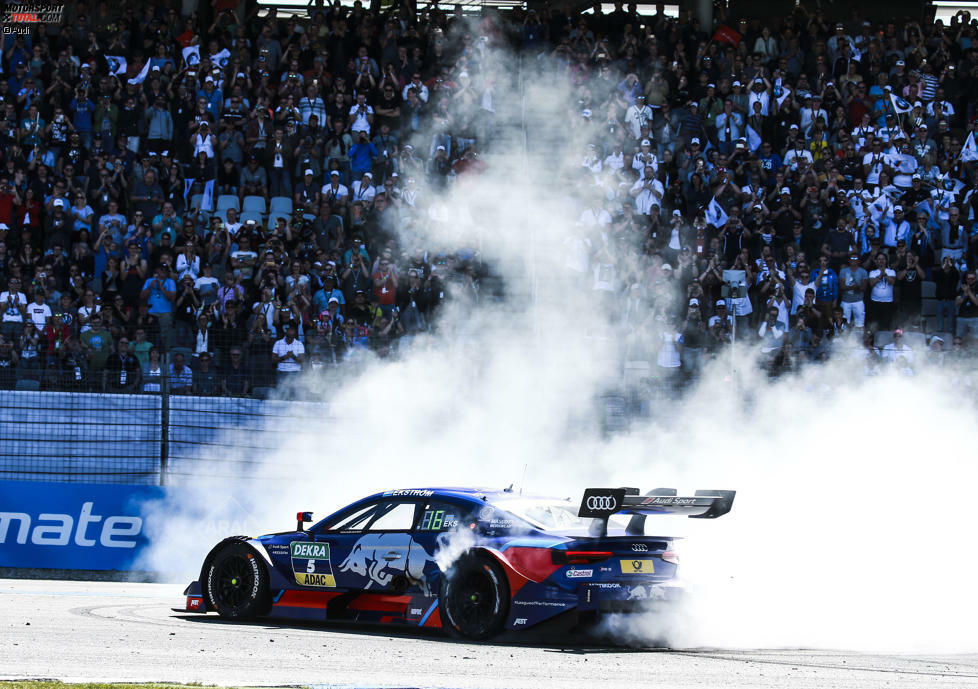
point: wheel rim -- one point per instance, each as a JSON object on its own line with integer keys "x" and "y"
{"x": 234, "y": 580}
{"x": 474, "y": 601}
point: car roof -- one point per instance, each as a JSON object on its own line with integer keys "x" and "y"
{"x": 488, "y": 495}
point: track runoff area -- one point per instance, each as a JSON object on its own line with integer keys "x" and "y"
{"x": 123, "y": 632}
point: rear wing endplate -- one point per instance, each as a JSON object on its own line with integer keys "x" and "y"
{"x": 601, "y": 503}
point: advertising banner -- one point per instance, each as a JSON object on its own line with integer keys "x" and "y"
{"x": 73, "y": 525}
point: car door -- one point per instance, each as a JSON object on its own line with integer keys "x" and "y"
{"x": 369, "y": 548}
{"x": 444, "y": 530}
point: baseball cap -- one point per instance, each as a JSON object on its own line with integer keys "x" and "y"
{"x": 666, "y": 266}
{"x": 898, "y": 332}
{"x": 333, "y": 299}
{"x": 694, "y": 302}
{"x": 785, "y": 190}
{"x": 646, "y": 142}
{"x": 695, "y": 141}
{"x": 720, "y": 302}
{"x": 308, "y": 171}
{"x": 334, "y": 172}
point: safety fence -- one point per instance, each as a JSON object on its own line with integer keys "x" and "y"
{"x": 138, "y": 439}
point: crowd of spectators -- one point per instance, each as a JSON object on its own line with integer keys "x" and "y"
{"x": 215, "y": 202}
{"x": 791, "y": 183}
{"x": 209, "y": 204}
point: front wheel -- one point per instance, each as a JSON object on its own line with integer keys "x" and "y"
{"x": 475, "y": 597}
{"x": 237, "y": 583}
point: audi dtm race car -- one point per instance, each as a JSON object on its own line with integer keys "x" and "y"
{"x": 473, "y": 562}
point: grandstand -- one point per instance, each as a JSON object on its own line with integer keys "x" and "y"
{"x": 208, "y": 207}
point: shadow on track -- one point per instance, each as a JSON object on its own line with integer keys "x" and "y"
{"x": 555, "y": 639}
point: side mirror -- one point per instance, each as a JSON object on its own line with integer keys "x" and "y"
{"x": 301, "y": 518}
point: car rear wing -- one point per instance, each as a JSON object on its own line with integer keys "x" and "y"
{"x": 601, "y": 503}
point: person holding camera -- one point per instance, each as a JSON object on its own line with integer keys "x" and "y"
{"x": 356, "y": 273}
{"x": 160, "y": 292}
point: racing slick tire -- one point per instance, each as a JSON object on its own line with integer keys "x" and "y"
{"x": 474, "y": 597}
{"x": 237, "y": 583}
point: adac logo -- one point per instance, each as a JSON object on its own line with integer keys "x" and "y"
{"x": 311, "y": 564}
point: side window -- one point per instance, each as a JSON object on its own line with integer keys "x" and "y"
{"x": 357, "y": 520}
{"x": 397, "y": 516}
{"x": 443, "y": 516}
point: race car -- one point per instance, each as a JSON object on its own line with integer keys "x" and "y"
{"x": 474, "y": 562}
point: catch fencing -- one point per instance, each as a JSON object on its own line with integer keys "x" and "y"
{"x": 137, "y": 439}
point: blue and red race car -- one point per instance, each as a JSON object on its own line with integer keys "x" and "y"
{"x": 474, "y": 562}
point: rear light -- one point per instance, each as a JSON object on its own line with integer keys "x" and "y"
{"x": 670, "y": 556}
{"x": 579, "y": 557}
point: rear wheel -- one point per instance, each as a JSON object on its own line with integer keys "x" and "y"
{"x": 474, "y": 597}
{"x": 237, "y": 583}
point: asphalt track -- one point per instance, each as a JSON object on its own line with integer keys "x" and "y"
{"x": 99, "y": 631}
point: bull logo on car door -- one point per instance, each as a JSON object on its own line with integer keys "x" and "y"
{"x": 381, "y": 557}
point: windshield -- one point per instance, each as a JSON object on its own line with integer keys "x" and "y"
{"x": 555, "y": 515}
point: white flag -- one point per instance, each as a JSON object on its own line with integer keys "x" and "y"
{"x": 117, "y": 64}
{"x": 785, "y": 92}
{"x": 753, "y": 139}
{"x": 141, "y": 77}
{"x": 900, "y": 105}
{"x": 970, "y": 150}
{"x": 221, "y": 58}
{"x": 191, "y": 55}
{"x": 714, "y": 214}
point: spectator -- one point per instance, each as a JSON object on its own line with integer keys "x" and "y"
{"x": 8, "y": 364}
{"x": 38, "y": 311}
{"x": 206, "y": 380}
{"x": 14, "y": 303}
{"x": 97, "y": 344}
{"x": 853, "y": 279}
{"x": 160, "y": 292}
{"x": 234, "y": 377}
{"x": 153, "y": 372}
{"x": 881, "y": 281}
{"x": 179, "y": 376}
{"x": 123, "y": 370}
{"x": 288, "y": 354}
{"x": 967, "y": 303}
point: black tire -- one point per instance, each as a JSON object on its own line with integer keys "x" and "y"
{"x": 237, "y": 583}
{"x": 474, "y": 597}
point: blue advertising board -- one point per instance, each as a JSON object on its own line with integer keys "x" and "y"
{"x": 72, "y": 525}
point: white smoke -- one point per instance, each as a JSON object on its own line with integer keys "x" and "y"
{"x": 848, "y": 530}
{"x": 849, "y": 526}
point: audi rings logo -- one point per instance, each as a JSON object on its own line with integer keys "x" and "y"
{"x": 640, "y": 547}
{"x": 601, "y": 502}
